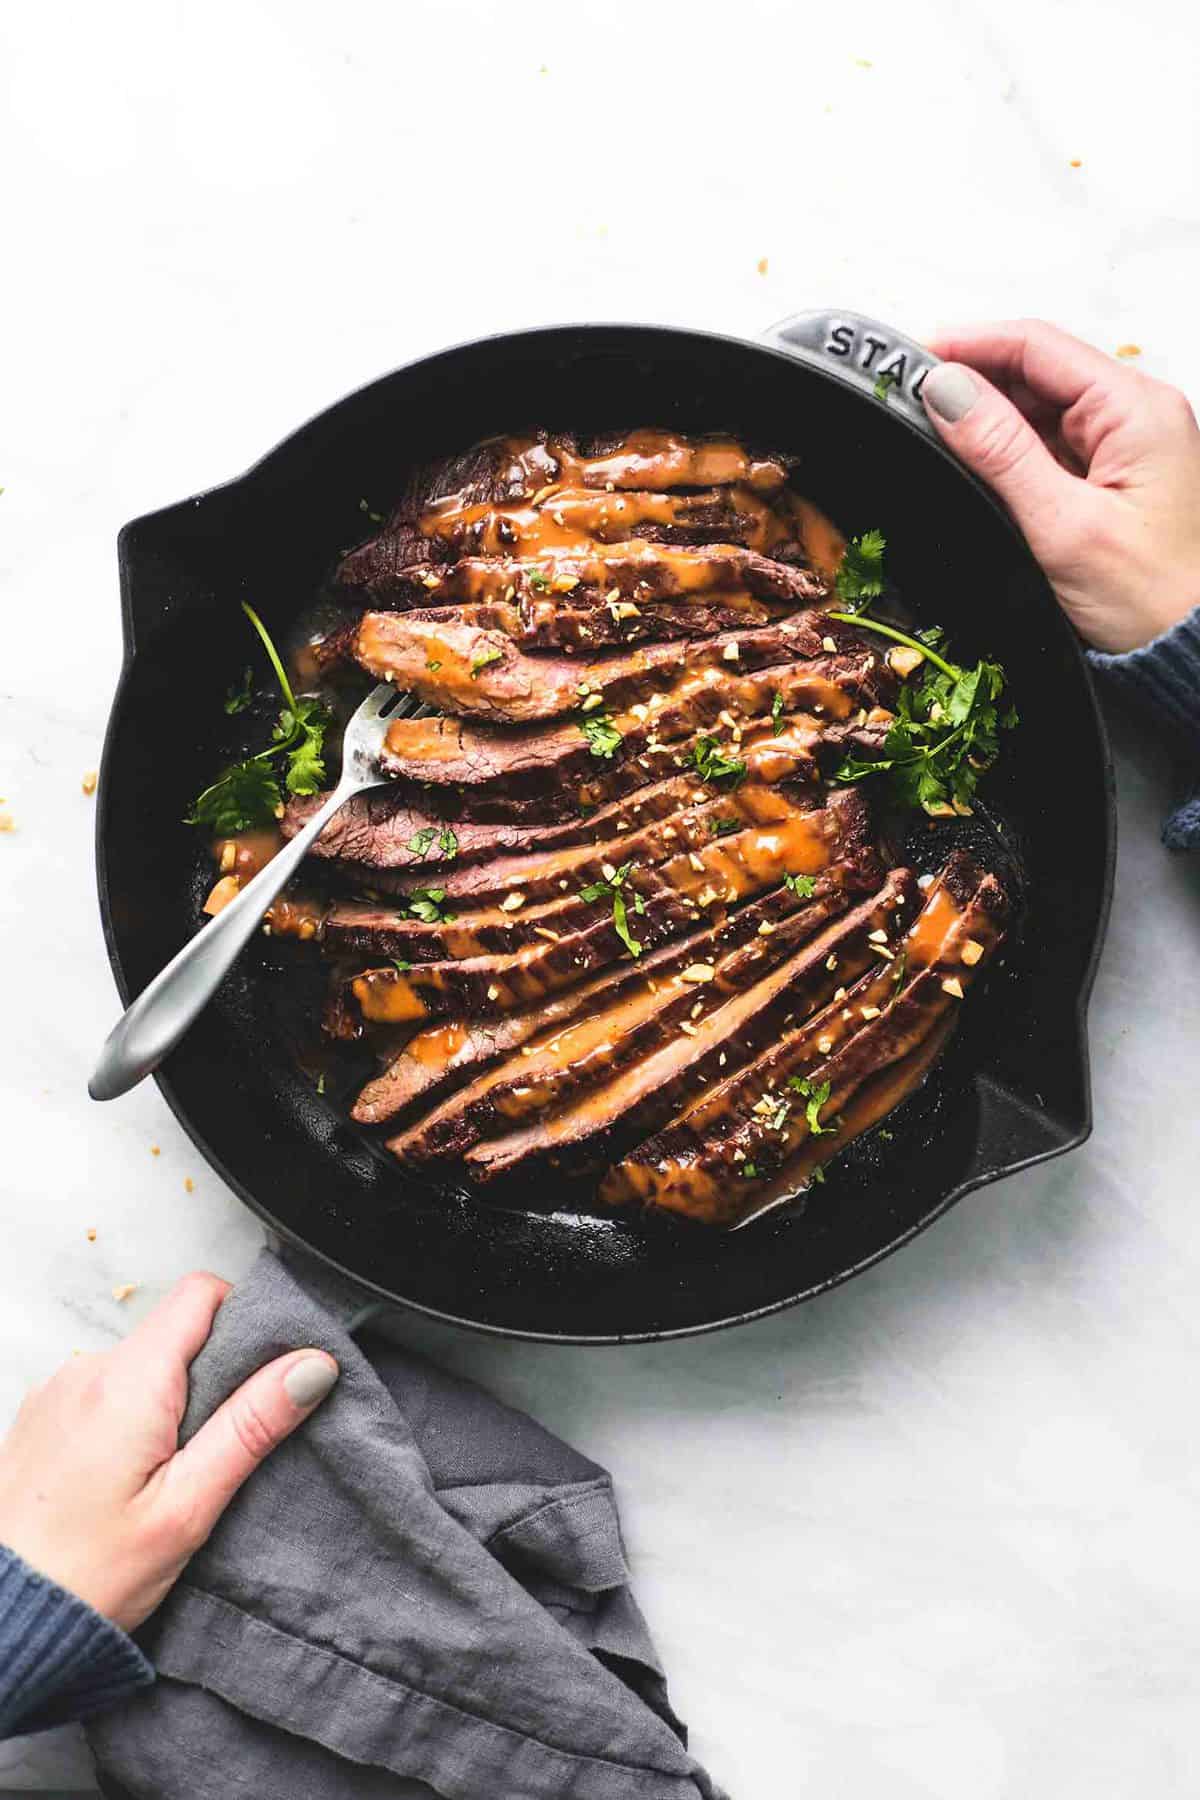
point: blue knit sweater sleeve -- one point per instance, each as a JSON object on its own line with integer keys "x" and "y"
{"x": 59, "y": 1660}
{"x": 1163, "y": 677}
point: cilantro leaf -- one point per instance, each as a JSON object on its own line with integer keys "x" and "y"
{"x": 432, "y": 665}
{"x": 602, "y": 736}
{"x": 538, "y": 581}
{"x": 814, "y": 1098}
{"x": 860, "y": 577}
{"x": 237, "y": 699}
{"x": 723, "y": 827}
{"x": 611, "y": 888}
{"x": 304, "y": 746}
{"x": 401, "y": 965}
{"x": 482, "y": 658}
{"x": 243, "y": 795}
{"x": 803, "y": 885}
{"x": 749, "y": 1171}
{"x": 885, "y": 380}
{"x": 448, "y": 843}
{"x": 712, "y": 764}
{"x": 426, "y": 904}
{"x": 777, "y": 714}
{"x": 421, "y": 840}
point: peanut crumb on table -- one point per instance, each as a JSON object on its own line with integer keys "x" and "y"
{"x": 762, "y": 265}
{"x": 91, "y": 1234}
{"x": 88, "y": 784}
{"x": 189, "y": 1184}
{"x": 1128, "y": 350}
{"x": 123, "y": 1292}
{"x": 155, "y": 1150}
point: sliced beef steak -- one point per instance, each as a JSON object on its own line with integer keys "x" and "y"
{"x": 507, "y": 763}
{"x": 466, "y": 670}
{"x": 646, "y": 1095}
{"x": 639, "y": 1012}
{"x": 674, "y": 897}
{"x": 726, "y": 1150}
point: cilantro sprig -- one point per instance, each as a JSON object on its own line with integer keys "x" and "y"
{"x": 423, "y": 841}
{"x": 249, "y": 793}
{"x": 612, "y": 888}
{"x": 947, "y": 727}
{"x": 946, "y": 732}
{"x": 860, "y": 576}
{"x": 602, "y": 736}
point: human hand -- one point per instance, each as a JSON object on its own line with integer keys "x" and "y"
{"x": 1098, "y": 464}
{"x": 94, "y": 1492}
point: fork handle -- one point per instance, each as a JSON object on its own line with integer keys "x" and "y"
{"x": 162, "y": 1012}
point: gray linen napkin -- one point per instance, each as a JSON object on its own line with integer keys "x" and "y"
{"x": 420, "y": 1593}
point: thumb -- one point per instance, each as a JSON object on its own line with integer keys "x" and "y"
{"x": 986, "y": 432}
{"x": 210, "y": 1469}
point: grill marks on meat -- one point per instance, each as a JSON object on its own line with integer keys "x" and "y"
{"x": 749, "y": 1140}
{"x": 647, "y": 1094}
{"x": 674, "y": 895}
{"x": 638, "y": 1011}
{"x": 508, "y": 764}
{"x": 431, "y": 654}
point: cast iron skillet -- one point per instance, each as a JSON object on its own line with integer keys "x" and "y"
{"x": 1013, "y": 1089}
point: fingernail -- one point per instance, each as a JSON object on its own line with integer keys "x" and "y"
{"x": 310, "y": 1380}
{"x": 951, "y": 390}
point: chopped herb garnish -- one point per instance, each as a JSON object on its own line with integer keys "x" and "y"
{"x": 375, "y": 518}
{"x": 885, "y": 1137}
{"x": 777, "y": 714}
{"x": 818, "y": 1175}
{"x": 749, "y": 1171}
{"x": 779, "y": 1117}
{"x": 884, "y": 381}
{"x": 946, "y": 730}
{"x": 248, "y": 793}
{"x": 802, "y": 885}
{"x": 237, "y": 699}
{"x": 723, "y": 827}
{"x": 814, "y": 1098}
{"x": 321, "y": 1082}
{"x": 602, "y": 735}
{"x": 539, "y": 581}
{"x": 860, "y": 577}
{"x": 420, "y": 841}
{"x": 400, "y": 964}
{"x": 448, "y": 843}
{"x": 611, "y": 888}
{"x": 712, "y": 764}
{"x": 482, "y": 658}
{"x": 426, "y": 904}
{"x": 433, "y": 666}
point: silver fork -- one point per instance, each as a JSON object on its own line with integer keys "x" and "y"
{"x": 163, "y": 1011}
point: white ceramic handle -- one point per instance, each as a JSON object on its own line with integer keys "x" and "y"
{"x": 162, "y": 1012}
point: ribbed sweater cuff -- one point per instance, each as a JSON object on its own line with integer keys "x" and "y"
{"x": 59, "y": 1660}
{"x": 1164, "y": 674}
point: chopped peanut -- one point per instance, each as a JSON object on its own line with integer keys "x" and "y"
{"x": 952, "y": 985}
{"x": 972, "y": 950}
{"x": 88, "y": 784}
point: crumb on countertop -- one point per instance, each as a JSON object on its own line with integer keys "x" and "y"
{"x": 88, "y": 784}
{"x": 762, "y": 265}
{"x": 864, "y": 62}
{"x": 189, "y": 1184}
{"x": 156, "y": 1150}
{"x": 1129, "y": 349}
{"x": 123, "y": 1292}
{"x": 1076, "y": 162}
{"x": 91, "y": 1234}
{"x": 7, "y": 822}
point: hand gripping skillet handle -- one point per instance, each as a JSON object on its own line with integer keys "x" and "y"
{"x": 858, "y": 351}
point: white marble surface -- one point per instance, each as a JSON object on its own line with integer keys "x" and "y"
{"x": 936, "y": 1534}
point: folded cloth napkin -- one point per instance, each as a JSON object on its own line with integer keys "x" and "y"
{"x": 420, "y": 1593}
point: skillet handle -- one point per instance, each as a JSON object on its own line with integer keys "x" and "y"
{"x": 859, "y": 351}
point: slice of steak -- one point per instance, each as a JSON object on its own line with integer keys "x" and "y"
{"x": 445, "y": 1055}
{"x": 674, "y": 897}
{"x": 642, "y": 575}
{"x": 646, "y": 1095}
{"x": 450, "y": 663}
{"x": 513, "y": 763}
{"x": 722, "y": 1155}
{"x": 379, "y": 842}
{"x": 638, "y": 1014}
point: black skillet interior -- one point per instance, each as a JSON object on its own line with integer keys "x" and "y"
{"x": 1012, "y": 1089}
